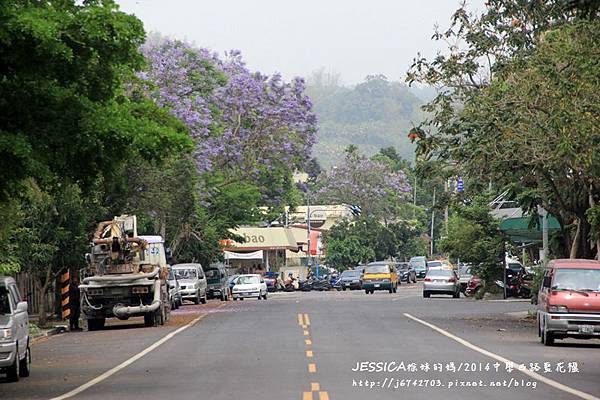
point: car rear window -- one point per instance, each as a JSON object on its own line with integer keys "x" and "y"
{"x": 351, "y": 273}
{"x": 377, "y": 269}
{"x": 440, "y": 272}
{"x": 434, "y": 264}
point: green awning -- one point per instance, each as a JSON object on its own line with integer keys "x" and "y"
{"x": 521, "y": 230}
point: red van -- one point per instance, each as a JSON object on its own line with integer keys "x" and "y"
{"x": 569, "y": 301}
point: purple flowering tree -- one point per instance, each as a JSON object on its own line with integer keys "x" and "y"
{"x": 368, "y": 183}
{"x": 245, "y": 125}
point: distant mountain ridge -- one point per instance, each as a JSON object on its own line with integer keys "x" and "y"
{"x": 373, "y": 114}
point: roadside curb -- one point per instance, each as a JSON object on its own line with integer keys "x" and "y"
{"x": 47, "y": 333}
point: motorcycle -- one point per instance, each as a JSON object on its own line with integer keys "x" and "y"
{"x": 474, "y": 285}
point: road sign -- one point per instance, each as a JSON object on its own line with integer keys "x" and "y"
{"x": 460, "y": 184}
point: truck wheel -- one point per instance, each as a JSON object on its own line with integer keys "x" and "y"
{"x": 12, "y": 372}
{"x": 94, "y": 324}
{"x": 25, "y": 364}
{"x": 149, "y": 320}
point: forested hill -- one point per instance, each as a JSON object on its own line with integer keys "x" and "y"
{"x": 373, "y": 114}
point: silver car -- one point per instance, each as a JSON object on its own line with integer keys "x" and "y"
{"x": 192, "y": 281}
{"x": 441, "y": 281}
{"x": 15, "y": 356}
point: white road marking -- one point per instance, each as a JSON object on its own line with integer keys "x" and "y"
{"x": 531, "y": 374}
{"x": 128, "y": 362}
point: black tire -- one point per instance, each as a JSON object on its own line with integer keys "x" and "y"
{"x": 395, "y": 289}
{"x": 25, "y": 364}
{"x": 95, "y": 324}
{"x": 241, "y": 298}
{"x": 265, "y": 296}
{"x": 197, "y": 298}
{"x": 547, "y": 337}
{"x": 344, "y": 288}
{"x": 149, "y": 320}
{"x": 13, "y": 372}
{"x": 367, "y": 291}
{"x": 456, "y": 295}
{"x": 203, "y": 299}
{"x": 391, "y": 290}
{"x": 426, "y": 294}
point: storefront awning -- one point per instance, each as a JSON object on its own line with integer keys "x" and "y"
{"x": 273, "y": 238}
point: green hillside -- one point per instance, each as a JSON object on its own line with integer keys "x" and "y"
{"x": 373, "y": 114}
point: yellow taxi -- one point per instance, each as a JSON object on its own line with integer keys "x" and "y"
{"x": 380, "y": 275}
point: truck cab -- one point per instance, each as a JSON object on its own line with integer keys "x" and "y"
{"x": 569, "y": 301}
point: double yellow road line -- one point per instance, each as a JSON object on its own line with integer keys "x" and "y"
{"x": 315, "y": 388}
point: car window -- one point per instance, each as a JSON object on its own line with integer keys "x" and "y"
{"x": 441, "y": 272}
{"x": 434, "y": 264}
{"x": 243, "y": 280}
{"x": 186, "y": 273}
{"x": 16, "y": 297}
{"x": 212, "y": 274}
{"x": 200, "y": 273}
{"x": 4, "y": 301}
{"x": 577, "y": 279}
{"x": 350, "y": 273}
{"x": 377, "y": 269}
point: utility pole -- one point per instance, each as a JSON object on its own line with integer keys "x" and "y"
{"x": 308, "y": 230}
{"x": 446, "y": 186}
{"x": 545, "y": 236}
{"x": 432, "y": 221}
{"x": 415, "y": 191}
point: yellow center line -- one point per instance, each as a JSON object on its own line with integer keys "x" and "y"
{"x": 306, "y": 333}
{"x": 307, "y": 396}
{"x": 308, "y": 342}
{"x": 300, "y": 320}
{"x": 306, "y": 319}
{"x": 323, "y": 396}
{"x": 312, "y": 368}
{"x": 309, "y": 353}
{"x": 315, "y": 387}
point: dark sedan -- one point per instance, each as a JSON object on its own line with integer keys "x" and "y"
{"x": 406, "y": 273}
{"x": 350, "y": 279}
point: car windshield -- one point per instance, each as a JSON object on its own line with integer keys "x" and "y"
{"x": 244, "y": 280}
{"x": 403, "y": 267}
{"x": 377, "y": 269}
{"x": 577, "y": 279}
{"x": 186, "y": 273}
{"x": 350, "y": 274}
{"x": 212, "y": 274}
{"x": 440, "y": 272}
{"x": 4, "y": 302}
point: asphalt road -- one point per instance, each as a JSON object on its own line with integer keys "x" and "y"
{"x": 313, "y": 346}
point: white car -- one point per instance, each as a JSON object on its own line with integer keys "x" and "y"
{"x": 250, "y": 285}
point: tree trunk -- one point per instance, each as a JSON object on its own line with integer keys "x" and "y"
{"x": 576, "y": 239}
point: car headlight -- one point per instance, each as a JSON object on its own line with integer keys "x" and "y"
{"x": 558, "y": 309}
{"x": 6, "y": 333}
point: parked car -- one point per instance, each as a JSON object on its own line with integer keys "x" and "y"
{"x": 441, "y": 281}
{"x": 250, "y": 285}
{"x": 192, "y": 281}
{"x": 380, "y": 275}
{"x": 464, "y": 276}
{"x": 174, "y": 290}
{"x": 569, "y": 301}
{"x": 216, "y": 281}
{"x": 406, "y": 273}
{"x": 350, "y": 279}
{"x": 420, "y": 266}
{"x": 15, "y": 354}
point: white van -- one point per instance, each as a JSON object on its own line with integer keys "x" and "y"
{"x": 15, "y": 356}
{"x": 192, "y": 282}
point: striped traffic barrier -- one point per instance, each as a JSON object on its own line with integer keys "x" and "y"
{"x": 64, "y": 292}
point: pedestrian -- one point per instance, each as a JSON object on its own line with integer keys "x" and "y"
{"x": 74, "y": 304}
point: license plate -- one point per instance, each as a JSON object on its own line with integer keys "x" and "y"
{"x": 377, "y": 285}
{"x": 586, "y": 329}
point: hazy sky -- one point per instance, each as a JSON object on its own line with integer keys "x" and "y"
{"x": 353, "y": 37}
